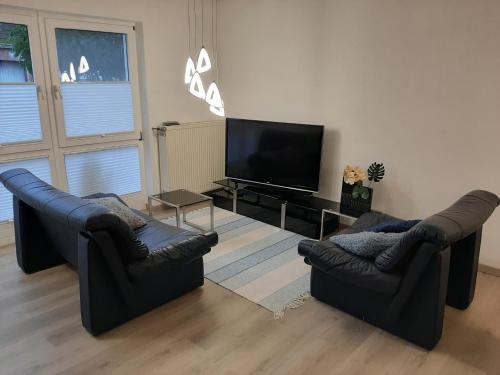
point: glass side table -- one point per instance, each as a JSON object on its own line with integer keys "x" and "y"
{"x": 180, "y": 200}
{"x": 335, "y": 210}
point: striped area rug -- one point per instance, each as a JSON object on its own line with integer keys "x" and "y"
{"x": 255, "y": 260}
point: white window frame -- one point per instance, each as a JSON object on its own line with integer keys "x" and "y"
{"x": 55, "y": 145}
{"x": 30, "y": 20}
{"x": 66, "y": 22}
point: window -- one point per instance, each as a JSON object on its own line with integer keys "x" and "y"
{"x": 115, "y": 170}
{"x": 39, "y": 167}
{"x": 103, "y": 105}
{"x": 19, "y": 108}
{"x": 89, "y": 78}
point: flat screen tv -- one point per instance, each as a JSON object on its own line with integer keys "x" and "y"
{"x": 274, "y": 153}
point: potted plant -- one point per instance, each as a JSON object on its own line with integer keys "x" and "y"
{"x": 356, "y": 198}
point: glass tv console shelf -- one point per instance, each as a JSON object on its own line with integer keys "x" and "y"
{"x": 308, "y": 215}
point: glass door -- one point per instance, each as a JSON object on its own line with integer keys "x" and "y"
{"x": 93, "y": 70}
{"x": 94, "y": 81}
{"x": 25, "y": 140}
{"x": 24, "y": 120}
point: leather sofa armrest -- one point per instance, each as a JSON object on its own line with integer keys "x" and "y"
{"x": 416, "y": 268}
{"x": 305, "y": 248}
{"x": 183, "y": 252}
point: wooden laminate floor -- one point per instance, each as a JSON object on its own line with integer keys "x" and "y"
{"x": 214, "y": 331}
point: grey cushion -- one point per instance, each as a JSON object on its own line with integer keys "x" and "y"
{"x": 133, "y": 220}
{"x": 366, "y": 244}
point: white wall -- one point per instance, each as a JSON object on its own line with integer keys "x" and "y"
{"x": 162, "y": 30}
{"x": 413, "y": 84}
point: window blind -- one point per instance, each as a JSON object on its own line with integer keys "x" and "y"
{"x": 109, "y": 171}
{"x": 97, "y": 108}
{"x": 19, "y": 114}
{"x": 39, "y": 167}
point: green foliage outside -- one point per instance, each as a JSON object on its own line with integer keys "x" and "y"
{"x": 19, "y": 39}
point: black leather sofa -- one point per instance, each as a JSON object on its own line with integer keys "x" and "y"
{"x": 405, "y": 292}
{"x": 122, "y": 273}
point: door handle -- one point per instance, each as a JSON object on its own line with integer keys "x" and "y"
{"x": 39, "y": 93}
{"x": 56, "y": 92}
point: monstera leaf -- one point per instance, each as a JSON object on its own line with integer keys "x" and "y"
{"x": 376, "y": 172}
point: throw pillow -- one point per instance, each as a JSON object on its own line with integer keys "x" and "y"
{"x": 394, "y": 226}
{"x": 133, "y": 220}
{"x": 366, "y": 244}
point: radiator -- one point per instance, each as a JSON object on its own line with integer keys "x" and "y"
{"x": 191, "y": 155}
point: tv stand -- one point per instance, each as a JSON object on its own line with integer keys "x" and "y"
{"x": 277, "y": 192}
{"x": 300, "y": 213}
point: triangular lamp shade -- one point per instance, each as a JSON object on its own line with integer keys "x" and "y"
{"x": 190, "y": 70}
{"x": 84, "y": 65}
{"x": 196, "y": 86}
{"x": 204, "y": 63}
{"x": 213, "y": 96}
{"x": 65, "y": 77}
{"x": 72, "y": 73}
{"x": 219, "y": 111}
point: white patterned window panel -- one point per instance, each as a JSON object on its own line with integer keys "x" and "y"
{"x": 39, "y": 167}
{"x": 116, "y": 170}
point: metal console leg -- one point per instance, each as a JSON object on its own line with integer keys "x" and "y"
{"x": 235, "y": 199}
{"x": 178, "y": 216}
{"x": 283, "y": 215}
{"x": 150, "y": 201}
{"x": 321, "y": 225}
{"x": 212, "y": 215}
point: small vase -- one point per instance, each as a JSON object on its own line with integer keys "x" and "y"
{"x": 354, "y": 206}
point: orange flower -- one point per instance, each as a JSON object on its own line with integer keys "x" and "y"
{"x": 353, "y": 175}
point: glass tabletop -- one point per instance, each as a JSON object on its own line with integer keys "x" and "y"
{"x": 180, "y": 198}
{"x": 227, "y": 183}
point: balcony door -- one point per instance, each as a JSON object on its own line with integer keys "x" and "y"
{"x": 69, "y": 105}
{"x": 94, "y": 87}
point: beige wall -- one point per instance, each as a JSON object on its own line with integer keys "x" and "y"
{"x": 413, "y": 84}
{"x": 163, "y": 47}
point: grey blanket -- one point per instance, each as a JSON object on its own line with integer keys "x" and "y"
{"x": 366, "y": 244}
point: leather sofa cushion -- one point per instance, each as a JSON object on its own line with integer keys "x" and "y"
{"x": 461, "y": 219}
{"x": 156, "y": 234}
{"x": 368, "y": 220}
{"x": 349, "y": 268}
{"x": 394, "y": 226}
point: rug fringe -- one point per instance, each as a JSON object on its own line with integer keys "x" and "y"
{"x": 293, "y": 304}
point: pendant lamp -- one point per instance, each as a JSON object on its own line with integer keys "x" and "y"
{"x": 196, "y": 86}
{"x": 213, "y": 95}
{"x": 204, "y": 64}
{"x": 190, "y": 70}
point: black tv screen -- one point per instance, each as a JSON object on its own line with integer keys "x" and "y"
{"x": 274, "y": 153}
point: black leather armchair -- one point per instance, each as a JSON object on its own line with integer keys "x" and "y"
{"x": 405, "y": 292}
{"x": 122, "y": 273}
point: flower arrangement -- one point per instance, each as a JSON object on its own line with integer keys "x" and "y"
{"x": 354, "y": 175}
